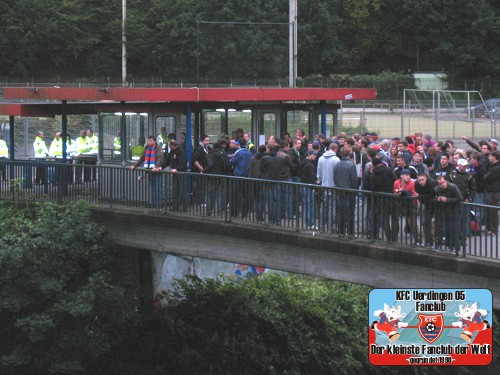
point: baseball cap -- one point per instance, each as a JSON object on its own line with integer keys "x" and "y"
{"x": 311, "y": 152}
{"x": 494, "y": 141}
{"x": 405, "y": 171}
{"x": 463, "y": 162}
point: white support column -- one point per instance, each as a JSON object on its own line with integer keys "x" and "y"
{"x": 124, "y": 43}
{"x": 292, "y": 48}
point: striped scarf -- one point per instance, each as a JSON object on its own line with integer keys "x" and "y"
{"x": 149, "y": 158}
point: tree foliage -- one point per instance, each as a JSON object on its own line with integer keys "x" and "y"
{"x": 270, "y": 325}
{"x": 82, "y": 38}
{"x": 61, "y": 313}
{"x": 59, "y": 309}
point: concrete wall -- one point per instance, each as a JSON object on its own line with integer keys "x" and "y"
{"x": 356, "y": 261}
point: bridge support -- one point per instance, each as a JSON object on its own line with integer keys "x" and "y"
{"x": 356, "y": 261}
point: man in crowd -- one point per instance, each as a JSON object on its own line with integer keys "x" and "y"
{"x": 296, "y": 158}
{"x": 418, "y": 164}
{"x": 325, "y": 173}
{"x": 287, "y": 203}
{"x": 345, "y": 176}
{"x": 239, "y": 196}
{"x": 162, "y": 139}
{"x": 448, "y": 215}
{"x": 271, "y": 167}
{"x": 301, "y": 134}
{"x": 152, "y": 160}
{"x": 402, "y": 164}
{"x": 445, "y": 167}
{"x": 199, "y": 163}
{"x": 465, "y": 184}
{"x": 250, "y": 145}
{"x": 424, "y": 188}
{"x": 308, "y": 176}
{"x": 384, "y": 207}
{"x": 492, "y": 187}
{"x": 384, "y": 154}
{"x": 176, "y": 162}
{"x": 404, "y": 188}
{"x": 217, "y": 164}
{"x": 403, "y": 149}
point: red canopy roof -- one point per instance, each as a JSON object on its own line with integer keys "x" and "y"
{"x": 83, "y": 100}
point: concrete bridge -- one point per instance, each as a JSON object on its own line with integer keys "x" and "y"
{"x": 311, "y": 253}
{"x": 120, "y": 196}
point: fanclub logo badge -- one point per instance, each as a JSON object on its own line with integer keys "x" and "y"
{"x": 430, "y": 327}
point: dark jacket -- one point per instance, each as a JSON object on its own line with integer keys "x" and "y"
{"x": 478, "y": 175}
{"x": 426, "y": 192}
{"x": 269, "y": 167}
{"x": 218, "y": 162}
{"x": 200, "y": 156}
{"x": 382, "y": 179}
{"x": 286, "y": 173}
{"x": 452, "y": 192}
{"x": 446, "y": 172}
{"x": 272, "y": 167}
{"x": 492, "y": 178}
{"x": 465, "y": 183}
{"x": 308, "y": 173}
{"x": 345, "y": 174}
{"x": 176, "y": 159}
{"x": 254, "y": 166}
{"x": 296, "y": 161}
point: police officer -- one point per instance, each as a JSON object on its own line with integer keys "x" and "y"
{"x": 41, "y": 151}
{"x": 4, "y": 155}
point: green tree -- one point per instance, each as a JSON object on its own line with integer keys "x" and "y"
{"x": 456, "y": 36}
{"x": 264, "y": 325}
{"x": 59, "y": 310}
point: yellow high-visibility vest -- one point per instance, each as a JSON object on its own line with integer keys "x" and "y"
{"x": 55, "y": 148}
{"x": 4, "y": 150}
{"x": 40, "y": 148}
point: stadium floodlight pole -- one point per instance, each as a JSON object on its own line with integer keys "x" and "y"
{"x": 292, "y": 48}
{"x": 124, "y": 44}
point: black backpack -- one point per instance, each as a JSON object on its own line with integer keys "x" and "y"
{"x": 218, "y": 162}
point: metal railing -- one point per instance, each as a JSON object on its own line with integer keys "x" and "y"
{"x": 463, "y": 229}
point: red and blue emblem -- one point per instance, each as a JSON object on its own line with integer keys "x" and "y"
{"x": 430, "y": 327}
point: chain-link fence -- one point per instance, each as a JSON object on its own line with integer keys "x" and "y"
{"x": 442, "y": 114}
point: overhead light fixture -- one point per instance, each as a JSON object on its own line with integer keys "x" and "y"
{"x": 220, "y": 110}
{"x": 247, "y": 110}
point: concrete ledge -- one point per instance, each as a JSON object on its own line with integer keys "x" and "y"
{"x": 358, "y": 261}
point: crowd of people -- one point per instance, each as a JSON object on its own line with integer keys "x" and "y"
{"x": 87, "y": 144}
{"x": 418, "y": 181}
{"x": 410, "y": 187}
